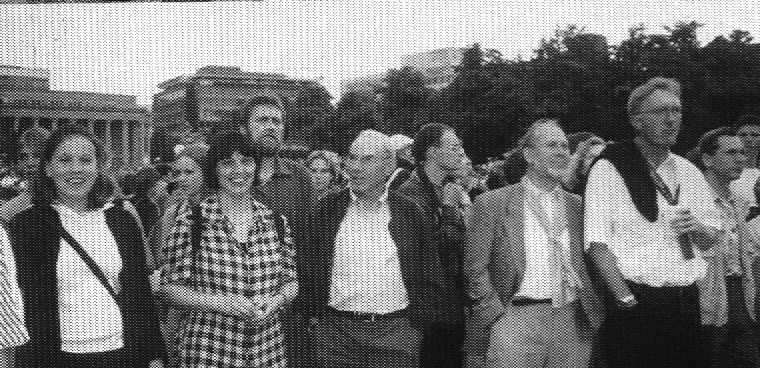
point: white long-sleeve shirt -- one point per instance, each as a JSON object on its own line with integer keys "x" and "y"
{"x": 366, "y": 274}
{"x": 91, "y": 321}
{"x": 12, "y": 329}
{"x": 648, "y": 253}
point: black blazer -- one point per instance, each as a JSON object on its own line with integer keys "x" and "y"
{"x": 36, "y": 243}
{"x": 409, "y": 229}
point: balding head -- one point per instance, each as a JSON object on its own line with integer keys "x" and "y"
{"x": 371, "y": 142}
{"x": 370, "y": 162}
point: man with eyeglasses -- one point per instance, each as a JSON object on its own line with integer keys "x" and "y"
{"x": 649, "y": 215}
{"x": 374, "y": 280}
{"x": 748, "y": 129}
{"x": 285, "y": 186}
{"x": 439, "y": 155}
{"x": 524, "y": 264}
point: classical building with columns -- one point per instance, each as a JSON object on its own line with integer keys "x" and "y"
{"x": 119, "y": 123}
{"x": 189, "y": 105}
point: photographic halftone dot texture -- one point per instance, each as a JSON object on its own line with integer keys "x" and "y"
{"x": 128, "y": 49}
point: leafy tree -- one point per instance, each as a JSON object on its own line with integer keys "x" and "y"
{"x": 574, "y": 76}
{"x": 311, "y": 107}
{"x": 355, "y": 112}
{"x": 403, "y": 96}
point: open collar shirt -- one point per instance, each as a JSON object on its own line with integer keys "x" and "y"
{"x": 366, "y": 273}
{"x": 648, "y": 252}
{"x": 538, "y": 282}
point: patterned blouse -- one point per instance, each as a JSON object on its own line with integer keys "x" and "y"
{"x": 261, "y": 266}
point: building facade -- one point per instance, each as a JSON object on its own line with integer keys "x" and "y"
{"x": 189, "y": 106}
{"x": 117, "y": 121}
{"x": 438, "y": 68}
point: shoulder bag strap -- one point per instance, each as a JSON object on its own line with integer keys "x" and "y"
{"x": 90, "y": 263}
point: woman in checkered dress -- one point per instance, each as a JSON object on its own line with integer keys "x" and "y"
{"x": 233, "y": 283}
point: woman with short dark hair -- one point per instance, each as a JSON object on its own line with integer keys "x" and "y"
{"x": 230, "y": 264}
{"x": 81, "y": 266}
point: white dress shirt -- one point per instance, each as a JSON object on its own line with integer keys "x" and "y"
{"x": 366, "y": 272}
{"x": 12, "y": 328}
{"x": 537, "y": 282}
{"x": 91, "y": 322}
{"x": 648, "y": 253}
{"x": 744, "y": 187}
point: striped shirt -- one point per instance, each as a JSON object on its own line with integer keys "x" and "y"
{"x": 12, "y": 330}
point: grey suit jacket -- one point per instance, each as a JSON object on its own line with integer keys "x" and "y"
{"x": 494, "y": 259}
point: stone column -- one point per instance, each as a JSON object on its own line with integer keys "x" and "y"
{"x": 125, "y": 155}
{"x": 16, "y": 123}
{"x": 91, "y": 126}
{"x": 137, "y": 143}
{"x": 107, "y": 142}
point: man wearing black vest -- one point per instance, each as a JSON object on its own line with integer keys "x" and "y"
{"x": 648, "y": 216}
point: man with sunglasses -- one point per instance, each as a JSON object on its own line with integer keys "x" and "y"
{"x": 649, "y": 215}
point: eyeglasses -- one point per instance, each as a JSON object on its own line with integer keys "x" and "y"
{"x": 674, "y": 110}
{"x": 264, "y": 120}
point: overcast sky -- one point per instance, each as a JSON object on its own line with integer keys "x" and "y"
{"x": 129, "y": 48}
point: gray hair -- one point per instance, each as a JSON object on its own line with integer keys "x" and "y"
{"x": 643, "y": 91}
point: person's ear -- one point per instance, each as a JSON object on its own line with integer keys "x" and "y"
{"x": 707, "y": 160}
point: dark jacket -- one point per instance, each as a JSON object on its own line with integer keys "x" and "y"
{"x": 409, "y": 229}
{"x": 447, "y": 240}
{"x": 36, "y": 244}
{"x": 289, "y": 193}
{"x": 147, "y": 210}
{"x": 400, "y": 178}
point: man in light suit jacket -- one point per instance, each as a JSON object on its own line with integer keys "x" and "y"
{"x": 524, "y": 264}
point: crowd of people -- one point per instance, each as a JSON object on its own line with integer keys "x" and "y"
{"x": 572, "y": 251}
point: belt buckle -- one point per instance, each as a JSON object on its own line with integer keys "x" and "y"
{"x": 366, "y": 317}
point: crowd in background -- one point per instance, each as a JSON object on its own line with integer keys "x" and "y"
{"x": 570, "y": 251}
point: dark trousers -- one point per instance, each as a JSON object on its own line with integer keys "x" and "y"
{"x": 109, "y": 359}
{"x": 442, "y": 345}
{"x": 734, "y": 345}
{"x": 661, "y": 331}
{"x": 297, "y": 344}
{"x": 344, "y": 342}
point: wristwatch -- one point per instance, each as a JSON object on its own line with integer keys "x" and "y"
{"x": 627, "y": 302}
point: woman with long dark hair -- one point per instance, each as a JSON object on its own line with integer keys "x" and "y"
{"x": 81, "y": 266}
{"x": 230, "y": 264}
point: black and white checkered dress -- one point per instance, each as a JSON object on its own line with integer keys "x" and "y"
{"x": 258, "y": 267}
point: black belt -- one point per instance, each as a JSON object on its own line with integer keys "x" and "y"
{"x": 366, "y": 317}
{"x": 520, "y": 302}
